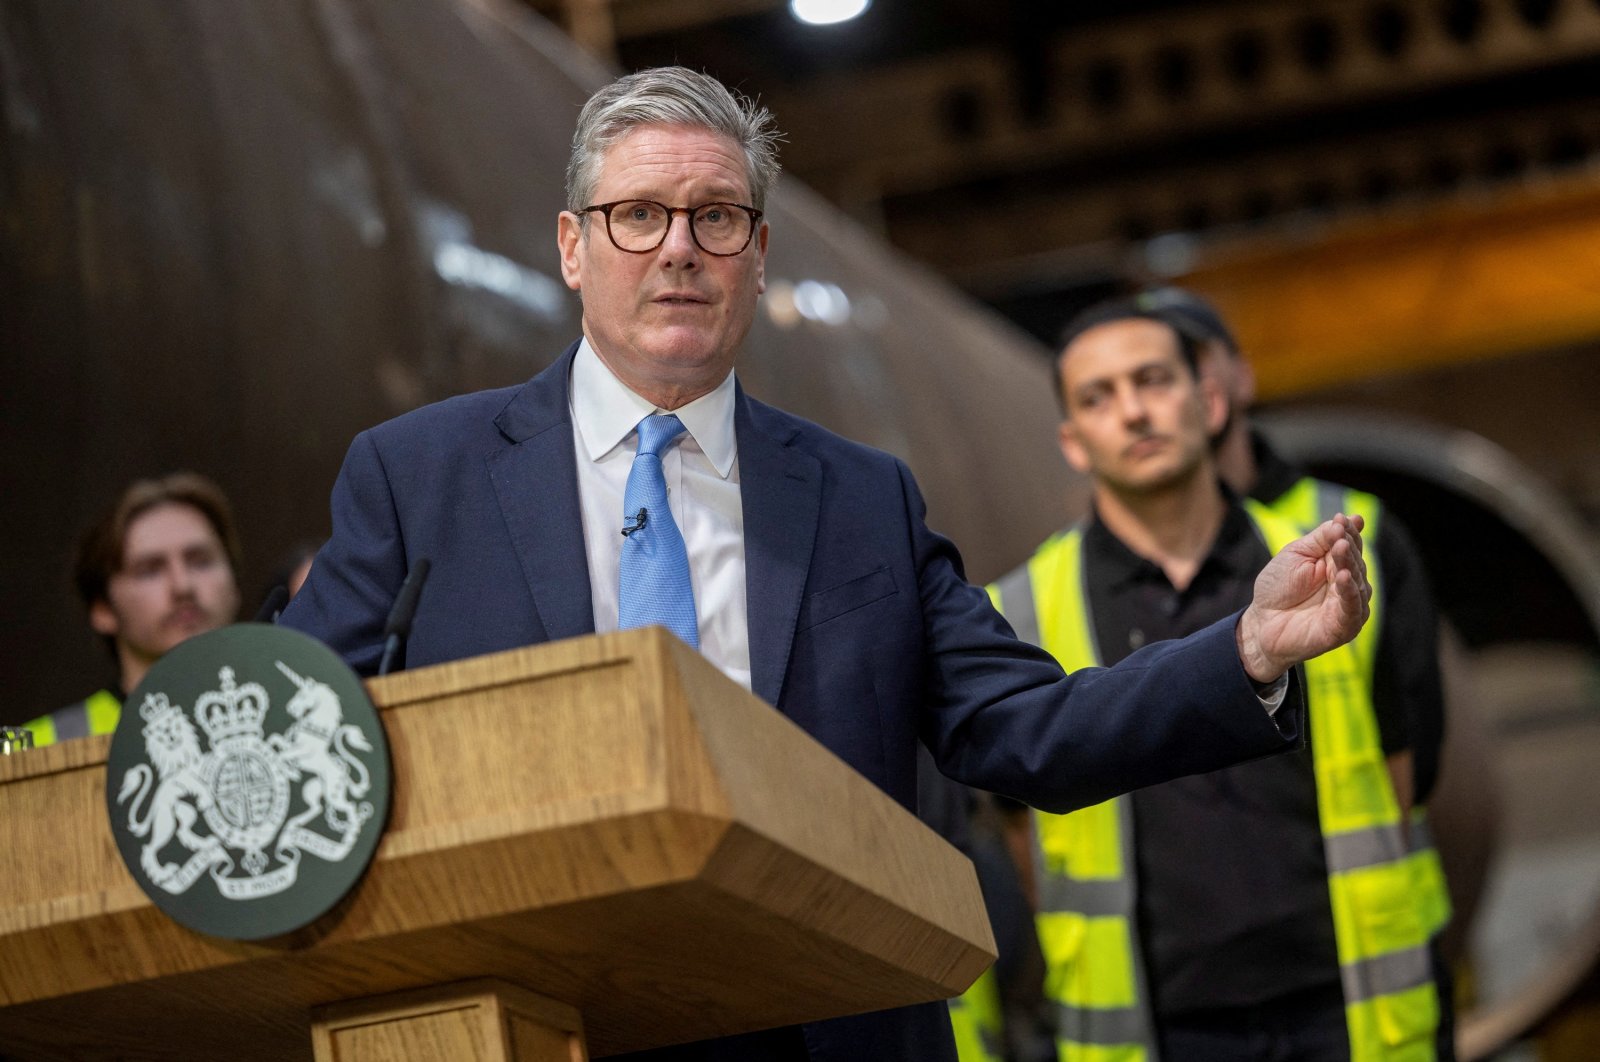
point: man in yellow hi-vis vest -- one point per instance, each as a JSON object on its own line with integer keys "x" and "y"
{"x": 156, "y": 568}
{"x": 1269, "y": 911}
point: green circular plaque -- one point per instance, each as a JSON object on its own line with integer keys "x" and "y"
{"x": 248, "y": 781}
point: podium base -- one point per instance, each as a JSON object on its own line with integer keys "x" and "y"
{"x": 474, "y": 1021}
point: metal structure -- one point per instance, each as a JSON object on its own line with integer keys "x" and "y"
{"x": 959, "y": 128}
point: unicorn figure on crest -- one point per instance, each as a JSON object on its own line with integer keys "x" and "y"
{"x": 317, "y": 746}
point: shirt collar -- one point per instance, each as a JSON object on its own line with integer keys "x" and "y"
{"x": 1233, "y": 552}
{"x": 606, "y": 411}
{"x": 1109, "y": 554}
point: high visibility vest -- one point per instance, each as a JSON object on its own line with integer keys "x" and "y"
{"x": 1387, "y": 903}
{"x": 1305, "y": 505}
{"x": 96, "y": 714}
{"x": 976, "y": 1021}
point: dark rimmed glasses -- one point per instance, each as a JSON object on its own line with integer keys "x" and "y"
{"x": 639, "y": 226}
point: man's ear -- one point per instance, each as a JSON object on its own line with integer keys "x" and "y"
{"x": 1071, "y": 447}
{"x": 1215, "y": 404}
{"x": 103, "y": 620}
{"x": 1244, "y": 384}
{"x": 761, "y": 259}
{"x": 569, "y": 239}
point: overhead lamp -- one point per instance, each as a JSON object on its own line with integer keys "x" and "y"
{"x": 827, "y": 12}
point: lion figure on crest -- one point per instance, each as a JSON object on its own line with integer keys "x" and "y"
{"x": 172, "y": 745}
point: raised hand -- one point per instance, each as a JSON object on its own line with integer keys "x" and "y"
{"x": 1312, "y": 597}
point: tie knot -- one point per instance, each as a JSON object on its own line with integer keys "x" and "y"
{"x": 656, "y": 430}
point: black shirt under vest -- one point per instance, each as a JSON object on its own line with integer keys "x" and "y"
{"x": 1233, "y": 902}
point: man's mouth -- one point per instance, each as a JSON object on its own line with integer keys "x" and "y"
{"x": 186, "y": 617}
{"x": 680, "y": 300}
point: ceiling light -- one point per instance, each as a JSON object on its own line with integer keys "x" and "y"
{"x": 827, "y": 12}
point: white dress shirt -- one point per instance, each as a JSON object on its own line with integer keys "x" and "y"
{"x": 702, "y": 474}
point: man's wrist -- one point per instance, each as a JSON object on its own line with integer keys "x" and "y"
{"x": 1262, "y": 671}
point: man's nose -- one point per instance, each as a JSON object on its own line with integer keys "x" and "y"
{"x": 1131, "y": 405}
{"x": 679, "y": 247}
{"x": 181, "y": 579}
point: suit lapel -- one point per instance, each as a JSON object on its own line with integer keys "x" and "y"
{"x": 781, "y": 494}
{"x": 536, "y": 482}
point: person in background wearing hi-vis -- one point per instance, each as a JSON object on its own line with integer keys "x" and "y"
{"x": 1273, "y": 910}
{"x": 160, "y": 566}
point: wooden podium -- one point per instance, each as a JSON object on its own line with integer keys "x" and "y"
{"x": 595, "y": 846}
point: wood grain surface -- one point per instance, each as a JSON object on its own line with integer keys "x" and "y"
{"x": 473, "y": 1021}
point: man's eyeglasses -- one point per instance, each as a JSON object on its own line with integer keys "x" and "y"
{"x": 639, "y": 226}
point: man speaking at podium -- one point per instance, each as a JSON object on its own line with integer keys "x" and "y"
{"x": 634, "y": 482}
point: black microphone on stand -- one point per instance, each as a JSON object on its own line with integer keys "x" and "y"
{"x": 398, "y": 626}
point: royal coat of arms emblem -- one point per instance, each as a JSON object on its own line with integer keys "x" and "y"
{"x": 233, "y": 815}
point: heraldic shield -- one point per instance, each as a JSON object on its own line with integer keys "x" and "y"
{"x": 248, "y": 781}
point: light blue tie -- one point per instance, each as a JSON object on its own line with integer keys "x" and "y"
{"x": 654, "y": 575}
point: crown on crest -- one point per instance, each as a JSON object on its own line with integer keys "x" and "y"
{"x": 233, "y": 711}
{"x": 156, "y": 706}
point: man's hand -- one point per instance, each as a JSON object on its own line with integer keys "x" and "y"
{"x": 1311, "y": 598}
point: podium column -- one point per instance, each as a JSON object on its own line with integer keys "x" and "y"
{"x": 475, "y": 1021}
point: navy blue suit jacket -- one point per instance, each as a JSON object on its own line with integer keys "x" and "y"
{"x": 863, "y": 629}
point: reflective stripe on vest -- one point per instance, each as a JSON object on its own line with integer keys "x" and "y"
{"x": 96, "y": 714}
{"x": 1382, "y": 919}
